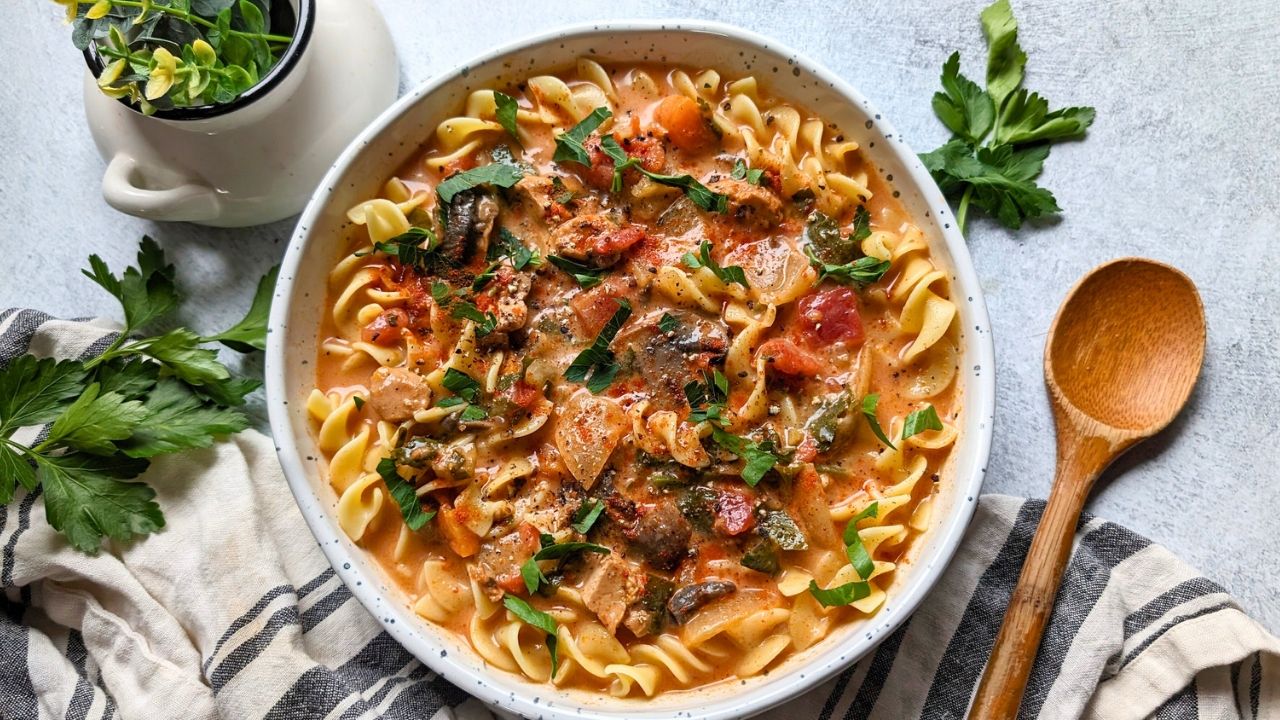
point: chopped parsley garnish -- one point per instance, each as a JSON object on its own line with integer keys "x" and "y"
{"x": 483, "y": 278}
{"x": 668, "y": 323}
{"x": 863, "y": 271}
{"x": 998, "y": 177}
{"x": 740, "y": 172}
{"x": 485, "y": 322}
{"x": 405, "y": 496}
{"x": 758, "y": 458}
{"x": 461, "y": 384}
{"x": 498, "y": 174}
{"x": 415, "y": 248}
{"x": 441, "y": 293}
{"x": 707, "y": 399}
{"x": 919, "y": 421}
{"x": 587, "y": 515}
{"x": 507, "y": 245}
{"x": 536, "y": 618}
{"x": 869, "y": 412}
{"x": 726, "y": 275}
{"x": 587, "y": 276}
{"x": 859, "y": 558}
{"x": 698, "y": 193}
{"x": 840, "y": 595}
{"x": 570, "y": 144}
{"x": 472, "y": 413}
{"x": 551, "y": 550}
{"x": 597, "y": 366}
{"x": 358, "y": 401}
{"x": 507, "y": 107}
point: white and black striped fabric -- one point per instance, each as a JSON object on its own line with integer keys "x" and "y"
{"x": 232, "y": 612}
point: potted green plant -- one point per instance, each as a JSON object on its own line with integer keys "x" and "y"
{"x": 227, "y": 112}
{"x": 162, "y": 57}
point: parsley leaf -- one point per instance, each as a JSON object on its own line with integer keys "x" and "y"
{"x": 472, "y": 413}
{"x": 919, "y": 421}
{"x": 863, "y": 271}
{"x": 1017, "y": 126}
{"x": 668, "y": 324}
{"x": 596, "y": 366}
{"x": 740, "y": 172}
{"x": 758, "y": 458}
{"x": 570, "y": 144}
{"x": 146, "y": 292}
{"x": 483, "y": 278}
{"x": 485, "y": 322}
{"x": 869, "y": 412}
{"x": 708, "y": 398}
{"x": 840, "y": 595}
{"x": 506, "y": 244}
{"x": 178, "y": 419}
{"x": 587, "y": 276}
{"x": 180, "y": 351}
{"x": 34, "y": 392}
{"x": 405, "y": 495}
{"x": 441, "y": 293}
{"x": 251, "y": 332}
{"x": 507, "y": 107}
{"x": 587, "y": 515}
{"x": 416, "y": 248}
{"x": 85, "y": 498}
{"x": 966, "y": 109}
{"x": 461, "y": 384}
{"x": 859, "y": 558}
{"x": 726, "y": 275}
{"x": 14, "y": 469}
{"x": 497, "y": 174}
{"x": 95, "y": 421}
{"x": 544, "y": 622}
{"x": 700, "y": 194}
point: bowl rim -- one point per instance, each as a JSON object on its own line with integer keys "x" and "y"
{"x": 528, "y": 699}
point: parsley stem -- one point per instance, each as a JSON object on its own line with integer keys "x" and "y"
{"x": 962, "y": 213}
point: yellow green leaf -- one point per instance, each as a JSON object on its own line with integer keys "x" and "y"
{"x": 99, "y": 10}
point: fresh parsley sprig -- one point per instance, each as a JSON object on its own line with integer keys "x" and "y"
{"x": 700, "y": 194}
{"x": 741, "y": 172}
{"x": 919, "y": 421}
{"x": 758, "y": 457}
{"x": 405, "y": 495}
{"x": 597, "y": 366}
{"x": 108, "y": 415}
{"x": 998, "y": 175}
{"x": 536, "y": 618}
{"x": 506, "y": 109}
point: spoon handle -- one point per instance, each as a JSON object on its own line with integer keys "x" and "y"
{"x": 1005, "y": 679}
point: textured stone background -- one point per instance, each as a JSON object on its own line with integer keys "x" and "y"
{"x": 1181, "y": 166}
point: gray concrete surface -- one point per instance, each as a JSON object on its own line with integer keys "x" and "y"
{"x": 1180, "y": 166}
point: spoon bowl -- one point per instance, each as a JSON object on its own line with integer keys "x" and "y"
{"x": 1122, "y": 357}
{"x": 1127, "y": 345}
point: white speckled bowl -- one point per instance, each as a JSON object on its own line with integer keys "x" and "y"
{"x": 358, "y": 174}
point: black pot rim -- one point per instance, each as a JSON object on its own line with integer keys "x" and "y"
{"x": 305, "y": 11}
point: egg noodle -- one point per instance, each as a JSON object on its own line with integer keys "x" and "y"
{"x": 656, "y": 391}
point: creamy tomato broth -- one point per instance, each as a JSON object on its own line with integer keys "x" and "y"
{"x": 655, "y": 427}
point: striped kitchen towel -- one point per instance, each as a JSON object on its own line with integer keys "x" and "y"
{"x": 232, "y": 612}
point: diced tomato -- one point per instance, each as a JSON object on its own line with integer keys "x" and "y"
{"x": 524, "y": 394}
{"x": 681, "y": 117}
{"x": 648, "y": 150}
{"x": 831, "y": 316}
{"x": 386, "y": 328}
{"x": 594, "y": 307}
{"x": 785, "y": 357}
{"x": 466, "y": 162}
{"x": 733, "y": 513}
{"x": 619, "y": 240}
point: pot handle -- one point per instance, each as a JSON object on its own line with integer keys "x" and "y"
{"x": 189, "y": 202}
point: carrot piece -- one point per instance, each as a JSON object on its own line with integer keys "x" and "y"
{"x": 461, "y": 540}
{"x": 682, "y": 119}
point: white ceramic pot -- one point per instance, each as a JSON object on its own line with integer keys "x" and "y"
{"x": 257, "y": 159}
{"x": 321, "y": 238}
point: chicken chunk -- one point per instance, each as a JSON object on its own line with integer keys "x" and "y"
{"x": 396, "y": 393}
{"x": 612, "y": 586}
{"x": 497, "y": 566}
{"x": 752, "y": 204}
{"x": 594, "y": 238}
{"x": 546, "y": 195}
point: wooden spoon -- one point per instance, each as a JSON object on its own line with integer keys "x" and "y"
{"x": 1120, "y": 362}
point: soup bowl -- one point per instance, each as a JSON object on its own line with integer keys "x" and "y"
{"x": 323, "y": 233}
